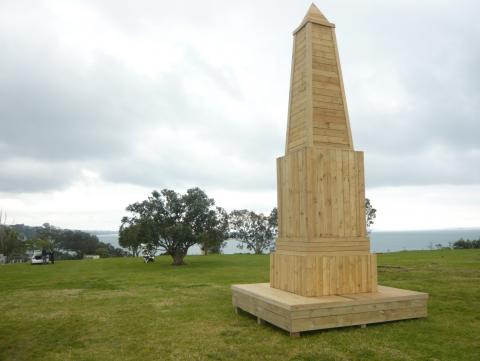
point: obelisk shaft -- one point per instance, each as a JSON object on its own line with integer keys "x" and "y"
{"x": 322, "y": 246}
{"x": 318, "y": 114}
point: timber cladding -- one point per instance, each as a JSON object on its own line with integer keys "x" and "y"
{"x": 315, "y": 275}
{"x": 321, "y": 193}
{"x": 322, "y": 274}
{"x": 322, "y": 246}
{"x": 295, "y": 313}
{"x": 318, "y": 114}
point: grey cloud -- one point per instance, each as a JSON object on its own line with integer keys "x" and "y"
{"x": 60, "y": 114}
{"x": 25, "y": 176}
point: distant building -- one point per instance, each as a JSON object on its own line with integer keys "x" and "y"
{"x": 3, "y": 259}
{"x": 91, "y": 256}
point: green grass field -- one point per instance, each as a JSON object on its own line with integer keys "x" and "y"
{"x": 123, "y": 309}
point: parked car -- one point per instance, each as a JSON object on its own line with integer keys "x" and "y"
{"x": 37, "y": 258}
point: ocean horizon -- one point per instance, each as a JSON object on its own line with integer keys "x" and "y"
{"x": 381, "y": 241}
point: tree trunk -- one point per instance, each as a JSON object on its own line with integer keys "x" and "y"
{"x": 178, "y": 258}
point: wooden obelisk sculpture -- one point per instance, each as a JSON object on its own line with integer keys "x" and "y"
{"x": 322, "y": 247}
{"x": 322, "y": 274}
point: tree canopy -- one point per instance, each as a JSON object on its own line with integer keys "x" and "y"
{"x": 174, "y": 222}
{"x": 256, "y": 232}
{"x": 16, "y": 239}
{"x": 370, "y": 213}
{"x": 130, "y": 236}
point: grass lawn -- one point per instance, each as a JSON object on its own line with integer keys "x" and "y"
{"x": 123, "y": 309}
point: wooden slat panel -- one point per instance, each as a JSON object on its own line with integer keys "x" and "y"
{"x": 319, "y": 103}
{"x": 329, "y": 132}
{"x": 327, "y": 198}
{"x": 296, "y": 313}
{"x": 326, "y": 139}
{"x": 319, "y": 275}
{"x": 346, "y": 194}
{"x": 361, "y": 194}
{"x": 326, "y": 92}
{"x": 324, "y": 79}
{"x": 322, "y": 42}
{"x": 324, "y": 67}
{"x": 329, "y": 125}
{"x": 325, "y": 85}
{"x": 352, "y": 169}
{"x": 357, "y": 319}
{"x": 317, "y": 59}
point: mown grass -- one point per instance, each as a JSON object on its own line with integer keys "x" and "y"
{"x": 123, "y": 309}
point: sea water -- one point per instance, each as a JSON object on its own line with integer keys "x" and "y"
{"x": 381, "y": 241}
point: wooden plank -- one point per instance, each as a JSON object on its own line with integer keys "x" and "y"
{"x": 361, "y": 194}
{"x": 322, "y": 239}
{"x": 324, "y": 79}
{"x": 329, "y": 132}
{"x": 353, "y": 193}
{"x": 339, "y": 194}
{"x": 346, "y": 194}
{"x": 312, "y": 196}
{"x": 327, "y": 193}
{"x": 323, "y": 249}
{"x": 335, "y": 321}
{"x": 325, "y": 99}
{"x": 265, "y": 314}
{"x": 326, "y": 139}
{"x": 334, "y": 186}
{"x": 328, "y": 125}
{"x": 321, "y": 104}
{"x": 324, "y": 67}
{"x": 322, "y": 42}
{"x": 316, "y": 59}
{"x": 308, "y": 96}
{"x": 325, "y": 72}
{"x": 325, "y": 85}
{"x": 317, "y": 53}
{"x": 320, "y": 48}
{"x": 327, "y": 92}
{"x": 333, "y": 115}
{"x": 326, "y": 242}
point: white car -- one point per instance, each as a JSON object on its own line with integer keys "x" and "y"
{"x": 37, "y": 258}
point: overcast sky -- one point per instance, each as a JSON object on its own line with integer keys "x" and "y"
{"x": 103, "y": 101}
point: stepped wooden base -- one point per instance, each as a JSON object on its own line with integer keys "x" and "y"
{"x": 314, "y": 275}
{"x": 295, "y": 313}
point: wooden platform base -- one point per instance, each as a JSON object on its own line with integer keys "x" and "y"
{"x": 295, "y": 313}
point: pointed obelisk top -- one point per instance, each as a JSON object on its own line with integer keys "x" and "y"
{"x": 314, "y": 12}
{"x": 314, "y": 15}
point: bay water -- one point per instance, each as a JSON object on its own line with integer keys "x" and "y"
{"x": 381, "y": 241}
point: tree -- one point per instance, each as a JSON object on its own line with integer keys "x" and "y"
{"x": 175, "y": 222}
{"x": 39, "y": 243}
{"x": 77, "y": 241}
{"x": 105, "y": 250}
{"x": 466, "y": 244}
{"x": 370, "y": 213}
{"x": 50, "y": 234}
{"x": 130, "y": 236}
{"x": 256, "y": 232}
{"x": 214, "y": 239}
{"x": 10, "y": 241}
